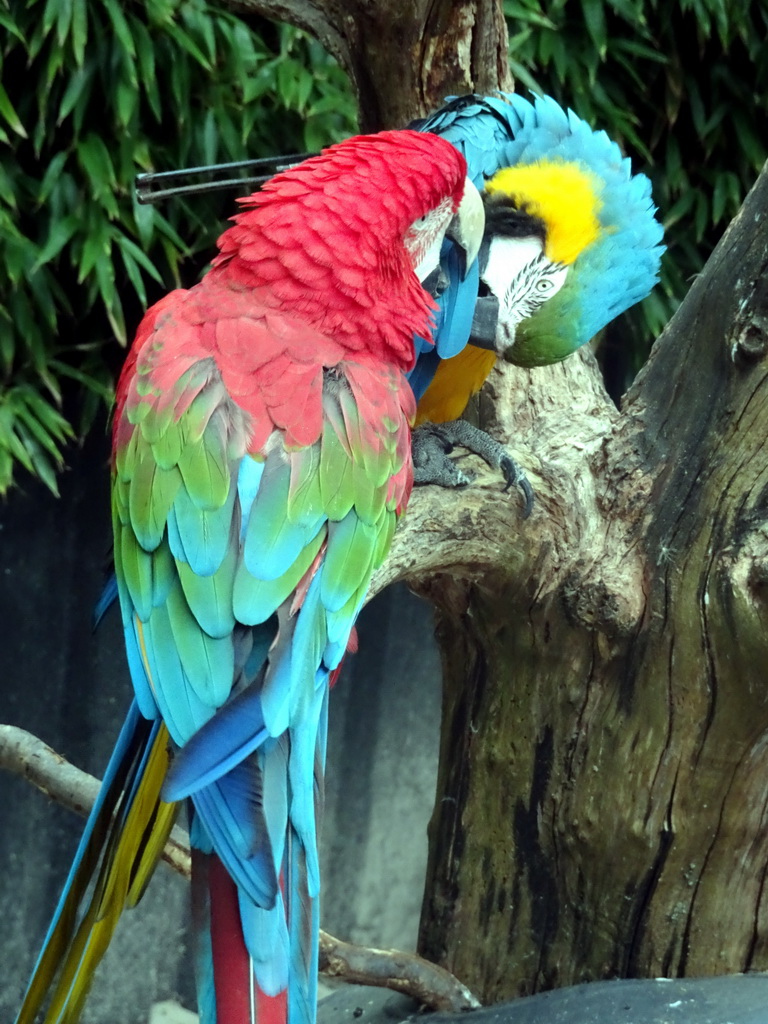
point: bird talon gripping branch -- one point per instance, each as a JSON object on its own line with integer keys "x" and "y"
{"x": 433, "y": 442}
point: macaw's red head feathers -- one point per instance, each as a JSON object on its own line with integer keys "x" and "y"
{"x": 337, "y": 239}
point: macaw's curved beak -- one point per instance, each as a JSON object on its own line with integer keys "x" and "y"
{"x": 467, "y": 227}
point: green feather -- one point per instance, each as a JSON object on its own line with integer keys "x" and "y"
{"x": 210, "y": 597}
{"x": 208, "y": 662}
{"x": 205, "y": 534}
{"x": 335, "y": 476}
{"x": 554, "y": 331}
{"x": 121, "y": 494}
{"x": 137, "y": 572}
{"x": 368, "y": 452}
{"x": 347, "y": 563}
{"x": 126, "y": 456}
{"x": 166, "y": 447}
{"x": 184, "y": 709}
{"x": 369, "y": 500}
{"x": 304, "y": 497}
{"x": 152, "y": 493}
{"x": 385, "y": 532}
{"x": 163, "y": 573}
{"x": 205, "y": 470}
{"x": 200, "y": 414}
{"x": 272, "y": 541}
{"x": 339, "y": 622}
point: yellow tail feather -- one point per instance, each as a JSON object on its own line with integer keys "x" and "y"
{"x": 128, "y": 843}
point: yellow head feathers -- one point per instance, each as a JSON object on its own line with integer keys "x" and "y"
{"x": 563, "y": 195}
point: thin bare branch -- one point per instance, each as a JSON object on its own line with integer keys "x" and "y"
{"x": 408, "y": 973}
{"x": 24, "y": 754}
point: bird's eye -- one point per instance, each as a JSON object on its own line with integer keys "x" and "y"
{"x": 544, "y": 285}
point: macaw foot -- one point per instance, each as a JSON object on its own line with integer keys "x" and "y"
{"x": 432, "y": 443}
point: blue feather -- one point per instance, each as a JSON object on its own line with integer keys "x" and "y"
{"x": 106, "y": 599}
{"x": 231, "y": 810}
{"x": 234, "y": 732}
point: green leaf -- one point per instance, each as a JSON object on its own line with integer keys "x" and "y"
{"x": 79, "y": 30}
{"x": 140, "y": 257}
{"x": 87, "y": 380}
{"x": 120, "y": 25}
{"x": 61, "y": 232}
{"x": 12, "y": 27}
{"x": 7, "y": 343}
{"x": 105, "y": 277}
{"x": 188, "y": 44}
{"x": 126, "y": 101}
{"x": 594, "y": 18}
{"x": 78, "y": 83}
{"x": 51, "y": 177}
{"x": 93, "y": 156}
{"x": 63, "y": 21}
{"x": 7, "y": 111}
{"x": 146, "y": 57}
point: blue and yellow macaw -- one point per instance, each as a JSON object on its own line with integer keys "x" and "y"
{"x": 571, "y": 242}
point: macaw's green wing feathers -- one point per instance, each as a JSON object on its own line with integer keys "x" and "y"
{"x": 254, "y": 600}
{"x": 210, "y": 597}
{"x": 243, "y": 566}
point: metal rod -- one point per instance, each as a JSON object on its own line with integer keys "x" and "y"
{"x": 149, "y": 185}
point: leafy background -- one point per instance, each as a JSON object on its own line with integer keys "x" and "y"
{"x": 94, "y": 91}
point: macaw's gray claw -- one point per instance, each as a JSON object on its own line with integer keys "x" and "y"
{"x": 432, "y": 443}
{"x": 515, "y": 477}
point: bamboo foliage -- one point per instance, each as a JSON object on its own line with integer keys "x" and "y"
{"x": 92, "y": 92}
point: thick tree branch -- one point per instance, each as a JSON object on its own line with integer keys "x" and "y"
{"x": 24, "y": 754}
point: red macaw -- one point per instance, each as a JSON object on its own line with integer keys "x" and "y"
{"x": 261, "y": 459}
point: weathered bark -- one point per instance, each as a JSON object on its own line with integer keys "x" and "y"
{"x": 403, "y": 58}
{"x": 602, "y": 805}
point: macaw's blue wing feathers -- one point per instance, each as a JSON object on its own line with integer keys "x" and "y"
{"x": 233, "y": 733}
{"x": 106, "y": 599}
{"x": 232, "y": 811}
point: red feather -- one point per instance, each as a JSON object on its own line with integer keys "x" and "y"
{"x": 231, "y": 963}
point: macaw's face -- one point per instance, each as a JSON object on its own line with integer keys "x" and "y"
{"x": 521, "y": 278}
{"x": 461, "y": 222}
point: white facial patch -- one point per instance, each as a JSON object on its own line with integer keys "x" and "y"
{"x": 425, "y": 239}
{"x": 521, "y": 277}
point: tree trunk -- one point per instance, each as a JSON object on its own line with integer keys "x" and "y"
{"x": 602, "y": 805}
{"x": 404, "y": 58}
